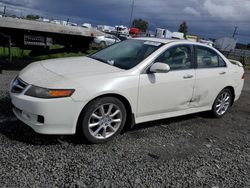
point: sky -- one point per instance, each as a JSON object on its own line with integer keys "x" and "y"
{"x": 206, "y": 18}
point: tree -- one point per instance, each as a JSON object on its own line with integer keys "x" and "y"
{"x": 32, "y": 17}
{"x": 183, "y": 28}
{"x": 140, "y": 24}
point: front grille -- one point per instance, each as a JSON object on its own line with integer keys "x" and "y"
{"x": 18, "y": 86}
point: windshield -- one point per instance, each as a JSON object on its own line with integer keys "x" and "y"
{"x": 127, "y": 54}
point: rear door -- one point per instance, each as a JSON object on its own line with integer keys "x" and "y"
{"x": 211, "y": 76}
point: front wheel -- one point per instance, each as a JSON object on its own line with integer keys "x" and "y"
{"x": 103, "y": 119}
{"x": 222, "y": 103}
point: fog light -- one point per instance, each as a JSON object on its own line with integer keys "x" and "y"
{"x": 40, "y": 119}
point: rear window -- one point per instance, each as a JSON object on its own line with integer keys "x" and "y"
{"x": 208, "y": 58}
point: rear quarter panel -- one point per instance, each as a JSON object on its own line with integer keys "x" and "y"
{"x": 236, "y": 73}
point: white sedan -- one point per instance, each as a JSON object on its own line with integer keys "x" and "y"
{"x": 135, "y": 81}
{"x": 106, "y": 40}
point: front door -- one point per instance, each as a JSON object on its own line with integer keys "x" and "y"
{"x": 168, "y": 92}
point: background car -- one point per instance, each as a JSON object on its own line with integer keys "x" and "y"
{"x": 134, "y": 81}
{"x": 106, "y": 40}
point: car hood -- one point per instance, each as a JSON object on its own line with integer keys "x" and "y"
{"x": 78, "y": 65}
{"x": 64, "y": 72}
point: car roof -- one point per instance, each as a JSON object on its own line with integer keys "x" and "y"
{"x": 164, "y": 41}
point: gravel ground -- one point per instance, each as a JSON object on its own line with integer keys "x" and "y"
{"x": 189, "y": 151}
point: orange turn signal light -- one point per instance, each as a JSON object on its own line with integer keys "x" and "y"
{"x": 243, "y": 76}
{"x": 61, "y": 92}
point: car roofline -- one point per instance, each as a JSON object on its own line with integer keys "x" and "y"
{"x": 166, "y": 41}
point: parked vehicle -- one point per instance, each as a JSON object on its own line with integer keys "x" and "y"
{"x": 207, "y": 42}
{"x": 106, "y": 28}
{"x": 134, "y": 32}
{"x": 177, "y": 35}
{"x": 121, "y": 29}
{"x": 124, "y": 37}
{"x": 72, "y": 24}
{"x": 134, "y": 81}
{"x": 86, "y": 25}
{"x": 106, "y": 40}
{"x": 163, "y": 33}
{"x": 57, "y": 22}
{"x": 43, "y": 20}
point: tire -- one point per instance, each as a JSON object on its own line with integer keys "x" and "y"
{"x": 222, "y": 103}
{"x": 103, "y": 44}
{"x": 102, "y": 120}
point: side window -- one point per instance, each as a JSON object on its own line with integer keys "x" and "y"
{"x": 178, "y": 57}
{"x": 208, "y": 58}
{"x": 108, "y": 36}
{"x": 222, "y": 62}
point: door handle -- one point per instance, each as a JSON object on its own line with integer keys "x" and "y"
{"x": 188, "y": 76}
{"x": 221, "y": 73}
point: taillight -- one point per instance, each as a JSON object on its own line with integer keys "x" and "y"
{"x": 243, "y": 76}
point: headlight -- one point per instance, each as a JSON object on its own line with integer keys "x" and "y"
{"x": 45, "y": 93}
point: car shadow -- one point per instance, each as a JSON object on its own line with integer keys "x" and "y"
{"x": 15, "y": 130}
{"x": 15, "y": 65}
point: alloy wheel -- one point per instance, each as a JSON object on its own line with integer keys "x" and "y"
{"x": 222, "y": 103}
{"x": 104, "y": 121}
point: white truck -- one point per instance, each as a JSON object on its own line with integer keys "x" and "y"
{"x": 165, "y": 33}
{"x": 106, "y": 28}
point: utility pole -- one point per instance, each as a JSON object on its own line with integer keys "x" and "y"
{"x": 4, "y": 11}
{"x": 235, "y": 31}
{"x": 132, "y": 11}
{"x": 21, "y": 14}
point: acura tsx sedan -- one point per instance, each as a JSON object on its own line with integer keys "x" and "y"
{"x": 135, "y": 81}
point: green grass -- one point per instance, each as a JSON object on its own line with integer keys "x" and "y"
{"x": 20, "y": 54}
{"x": 16, "y": 53}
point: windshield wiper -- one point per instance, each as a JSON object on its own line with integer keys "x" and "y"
{"x": 99, "y": 59}
{"x": 102, "y": 60}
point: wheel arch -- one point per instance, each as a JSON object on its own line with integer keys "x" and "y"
{"x": 130, "y": 121}
{"x": 103, "y": 42}
{"x": 232, "y": 91}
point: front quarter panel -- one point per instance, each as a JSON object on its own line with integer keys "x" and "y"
{"x": 93, "y": 87}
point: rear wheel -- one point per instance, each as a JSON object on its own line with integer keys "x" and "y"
{"x": 103, "y": 119}
{"x": 222, "y": 103}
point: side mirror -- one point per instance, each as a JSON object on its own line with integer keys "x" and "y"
{"x": 159, "y": 68}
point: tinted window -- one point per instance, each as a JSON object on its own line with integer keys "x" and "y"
{"x": 127, "y": 54}
{"x": 178, "y": 57}
{"x": 208, "y": 58}
{"x": 221, "y": 62}
{"x": 108, "y": 36}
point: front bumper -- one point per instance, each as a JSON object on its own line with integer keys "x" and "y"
{"x": 47, "y": 116}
